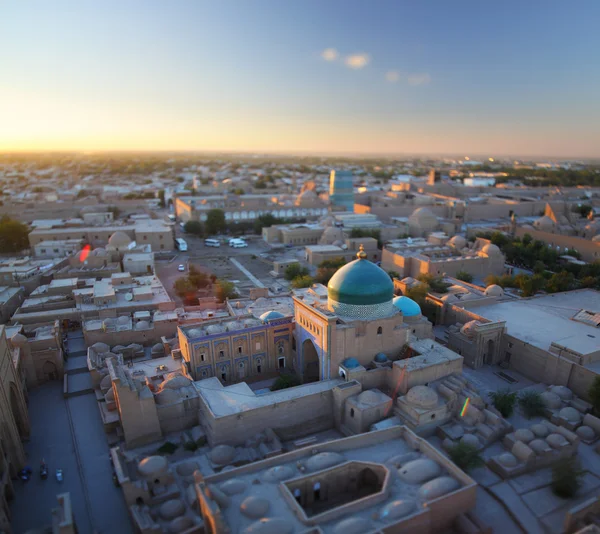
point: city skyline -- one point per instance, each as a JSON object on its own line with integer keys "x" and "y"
{"x": 338, "y": 78}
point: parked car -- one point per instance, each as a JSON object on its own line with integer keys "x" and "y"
{"x": 59, "y": 475}
{"x": 181, "y": 268}
{"x": 44, "y": 470}
{"x": 25, "y": 474}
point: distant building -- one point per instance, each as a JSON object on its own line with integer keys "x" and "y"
{"x": 435, "y": 176}
{"x": 341, "y": 189}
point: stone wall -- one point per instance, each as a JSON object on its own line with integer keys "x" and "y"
{"x": 589, "y": 250}
{"x": 290, "y": 419}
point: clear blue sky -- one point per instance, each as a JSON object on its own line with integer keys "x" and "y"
{"x": 466, "y": 77}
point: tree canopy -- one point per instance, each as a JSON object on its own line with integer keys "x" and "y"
{"x": 13, "y": 235}
{"x": 215, "y": 221}
{"x": 193, "y": 227}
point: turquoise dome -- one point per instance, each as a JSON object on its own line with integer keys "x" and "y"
{"x": 381, "y": 358}
{"x": 360, "y": 282}
{"x": 270, "y": 316}
{"x": 408, "y": 307}
{"x": 351, "y": 363}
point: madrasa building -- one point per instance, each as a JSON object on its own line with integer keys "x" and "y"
{"x": 356, "y": 322}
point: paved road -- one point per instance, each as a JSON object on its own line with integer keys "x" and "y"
{"x": 69, "y": 434}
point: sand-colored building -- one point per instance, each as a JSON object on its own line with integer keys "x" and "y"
{"x": 147, "y": 232}
{"x": 316, "y": 254}
{"x": 14, "y": 421}
{"x": 413, "y": 257}
{"x": 247, "y": 208}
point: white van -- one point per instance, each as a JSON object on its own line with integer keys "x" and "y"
{"x": 212, "y": 243}
{"x": 237, "y": 243}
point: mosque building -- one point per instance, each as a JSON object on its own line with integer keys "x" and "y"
{"x": 355, "y": 321}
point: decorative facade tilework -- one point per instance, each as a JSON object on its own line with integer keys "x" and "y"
{"x": 363, "y": 312}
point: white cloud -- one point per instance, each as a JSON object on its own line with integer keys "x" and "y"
{"x": 329, "y": 54}
{"x": 357, "y": 61}
{"x": 419, "y": 79}
{"x": 392, "y": 76}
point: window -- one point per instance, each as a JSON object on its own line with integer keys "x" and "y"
{"x": 258, "y": 366}
{"x": 240, "y": 349}
{"x": 145, "y": 238}
{"x": 56, "y": 250}
{"x": 317, "y": 491}
{"x": 221, "y": 354}
{"x": 95, "y": 237}
{"x": 351, "y": 412}
{"x": 224, "y": 377}
{"x": 379, "y": 330}
{"x": 297, "y": 495}
{"x": 281, "y": 362}
{"x": 257, "y": 345}
{"x": 280, "y": 348}
{"x": 203, "y": 357}
{"x": 241, "y": 365}
{"x": 160, "y": 237}
{"x": 43, "y": 251}
{"x": 204, "y": 374}
{"x": 162, "y": 247}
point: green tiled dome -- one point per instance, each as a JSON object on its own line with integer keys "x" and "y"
{"x": 361, "y": 282}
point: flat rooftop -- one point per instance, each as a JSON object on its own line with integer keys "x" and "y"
{"x": 238, "y": 398}
{"x": 256, "y": 307}
{"x": 541, "y": 321}
{"x": 372, "y": 447}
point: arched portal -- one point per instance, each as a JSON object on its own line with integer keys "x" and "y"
{"x": 489, "y": 353}
{"x": 49, "y": 370}
{"x": 311, "y": 361}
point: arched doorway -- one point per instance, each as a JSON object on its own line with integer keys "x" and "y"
{"x": 17, "y": 412}
{"x": 49, "y": 371}
{"x": 311, "y": 361}
{"x": 489, "y": 353}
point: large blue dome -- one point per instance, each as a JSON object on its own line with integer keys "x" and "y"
{"x": 408, "y": 307}
{"x": 351, "y": 363}
{"x": 360, "y": 282}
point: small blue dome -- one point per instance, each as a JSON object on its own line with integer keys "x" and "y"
{"x": 351, "y": 363}
{"x": 408, "y": 307}
{"x": 271, "y": 316}
{"x": 381, "y": 358}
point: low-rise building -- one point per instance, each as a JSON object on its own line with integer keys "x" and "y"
{"x": 10, "y": 300}
{"x": 316, "y": 254}
{"x": 57, "y": 249}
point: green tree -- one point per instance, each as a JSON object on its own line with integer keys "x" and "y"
{"x": 532, "y": 404}
{"x": 504, "y": 401}
{"x": 13, "y": 235}
{"x": 225, "y": 290}
{"x": 285, "y": 381}
{"x": 294, "y": 270}
{"x": 435, "y": 283}
{"x": 161, "y": 199}
{"x": 566, "y": 477}
{"x": 194, "y": 228}
{"x": 583, "y": 209}
{"x": 393, "y": 274}
{"x": 465, "y": 456}
{"x": 197, "y": 278}
{"x": 185, "y": 288}
{"x": 215, "y": 221}
{"x": 302, "y": 281}
{"x": 265, "y": 221}
{"x": 327, "y": 269}
{"x": 464, "y": 276}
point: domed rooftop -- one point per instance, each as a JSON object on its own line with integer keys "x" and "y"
{"x": 222, "y": 454}
{"x": 119, "y": 239}
{"x": 306, "y": 198}
{"x": 360, "y": 283}
{"x": 167, "y": 396}
{"x": 100, "y": 347}
{"x": 468, "y": 329}
{"x": 397, "y": 509}
{"x": 381, "y": 358}
{"x": 351, "y": 363}
{"x": 271, "y": 315}
{"x": 491, "y": 250}
{"x": 422, "y": 396}
{"x": 437, "y": 487}
{"x": 255, "y": 507}
{"x": 323, "y": 460}
{"x": 152, "y": 466}
{"x": 563, "y": 392}
{"x": 352, "y": 525}
{"x": 419, "y": 471}
{"x": 494, "y": 291}
{"x": 278, "y": 473}
{"x": 171, "y": 509}
{"x": 331, "y": 235}
{"x": 458, "y": 242}
{"x": 544, "y": 224}
{"x": 368, "y": 397}
{"x": 175, "y": 382}
{"x": 449, "y": 298}
{"x": 423, "y": 218}
{"x": 270, "y": 525}
{"x": 408, "y": 307}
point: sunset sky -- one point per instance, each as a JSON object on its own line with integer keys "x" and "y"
{"x": 464, "y": 76}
